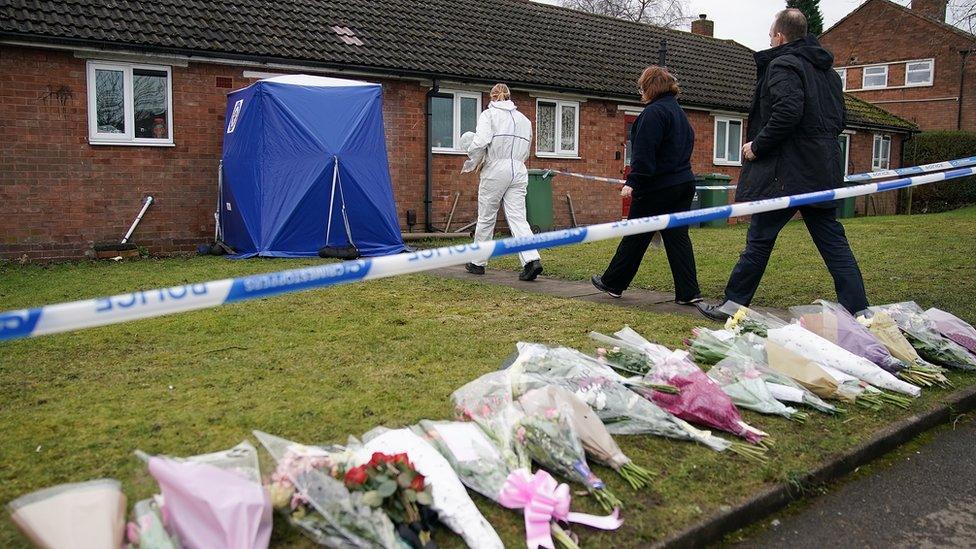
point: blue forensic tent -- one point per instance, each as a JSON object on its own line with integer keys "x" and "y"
{"x": 302, "y": 155}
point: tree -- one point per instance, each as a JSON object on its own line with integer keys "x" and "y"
{"x": 664, "y": 13}
{"x": 811, "y": 9}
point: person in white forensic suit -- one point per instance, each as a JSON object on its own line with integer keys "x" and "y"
{"x": 500, "y": 146}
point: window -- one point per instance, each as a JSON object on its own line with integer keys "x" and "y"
{"x": 881, "y": 157}
{"x": 919, "y": 73}
{"x": 875, "y": 77}
{"x": 728, "y": 141}
{"x": 845, "y": 152}
{"x": 451, "y": 117}
{"x": 557, "y": 128}
{"x": 129, "y": 104}
{"x": 842, "y": 73}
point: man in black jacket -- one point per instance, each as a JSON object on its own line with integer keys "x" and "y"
{"x": 796, "y": 116}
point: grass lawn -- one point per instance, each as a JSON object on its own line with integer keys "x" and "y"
{"x": 930, "y": 259}
{"x": 320, "y": 365}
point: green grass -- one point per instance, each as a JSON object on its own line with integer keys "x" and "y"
{"x": 318, "y": 366}
{"x": 930, "y": 259}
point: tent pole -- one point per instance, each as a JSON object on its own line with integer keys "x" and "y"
{"x": 335, "y": 177}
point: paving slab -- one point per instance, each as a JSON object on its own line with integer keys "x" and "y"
{"x": 647, "y": 300}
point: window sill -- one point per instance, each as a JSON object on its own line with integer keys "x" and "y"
{"x": 559, "y": 156}
{"x": 131, "y": 143}
{"x": 726, "y": 163}
{"x": 449, "y": 151}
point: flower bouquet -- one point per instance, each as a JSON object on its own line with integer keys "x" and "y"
{"x": 890, "y": 335}
{"x": 305, "y": 489}
{"x": 148, "y": 527}
{"x": 487, "y": 401}
{"x": 925, "y": 336}
{"x": 391, "y": 483}
{"x": 215, "y": 500}
{"x": 549, "y": 438}
{"x": 597, "y": 442}
{"x": 822, "y": 380}
{"x": 451, "y": 501}
{"x": 72, "y": 516}
{"x": 741, "y": 379}
{"x": 748, "y": 352}
{"x": 621, "y": 410}
{"x": 481, "y": 468}
{"x": 811, "y": 346}
{"x": 742, "y": 319}
{"x": 954, "y": 328}
{"x": 833, "y": 323}
{"x": 700, "y": 400}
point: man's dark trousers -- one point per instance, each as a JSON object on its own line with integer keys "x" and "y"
{"x": 828, "y": 235}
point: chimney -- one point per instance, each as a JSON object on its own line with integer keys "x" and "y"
{"x": 933, "y": 9}
{"x": 703, "y": 26}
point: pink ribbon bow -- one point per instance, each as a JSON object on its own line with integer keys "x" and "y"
{"x": 542, "y": 500}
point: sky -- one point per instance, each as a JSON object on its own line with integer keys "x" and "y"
{"x": 747, "y": 21}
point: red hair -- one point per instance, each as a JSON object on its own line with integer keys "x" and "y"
{"x": 656, "y": 81}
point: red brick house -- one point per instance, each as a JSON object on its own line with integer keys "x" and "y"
{"x": 105, "y": 103}
{"x": 908, "y": 61}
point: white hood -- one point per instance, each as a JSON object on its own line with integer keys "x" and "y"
{"x": 506, "y": 105}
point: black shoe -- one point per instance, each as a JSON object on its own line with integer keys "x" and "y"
{"x": 531, "y": 270}
{"x": 599, "y": 285}
{"x": 692, "y": 301}
{"x": 474, "y": 269}
{"x": 712, "y": 312}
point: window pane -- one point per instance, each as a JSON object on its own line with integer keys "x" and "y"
{"x": 919, "y": 73}
{"x": 149, "y": 99}
{"x": 469, "y": 114}
{"x": 735, "y": 141}
{"x": 109, "y": 101}
{"x": 546, "y": 127}
{"x": 442, "y": 123}
{"x": 568, "y": 136}
{"x": 720, "y": 140}
{"x": 875, "y": 77}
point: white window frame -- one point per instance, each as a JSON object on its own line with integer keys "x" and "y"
{"x": 128, "y": 138}
{"x": 724, "y": 161}
{"x": 842, "y": 73}
{"x": 558, "y": 144}
{"x": 847, "y": 152}
{"x": 458, "y": 94}
{"x": 931, "y": 80}
{"x": 864, "y": 77}
{"x": 879, "y": 163}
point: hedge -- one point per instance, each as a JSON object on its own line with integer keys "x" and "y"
{"x": 929, "y": 147}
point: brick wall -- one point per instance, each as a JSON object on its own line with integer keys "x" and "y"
{"x": 879, "y": 33}
{"x": 59, "y": 194}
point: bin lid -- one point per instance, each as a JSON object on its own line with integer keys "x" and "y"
{"x": 714, "y": 177}
{"x": 537, "y": 171}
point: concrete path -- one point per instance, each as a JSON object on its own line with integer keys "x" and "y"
{"x": 925, "y": 499}
{"x": 648, "y": 300}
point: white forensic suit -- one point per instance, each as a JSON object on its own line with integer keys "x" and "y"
{"x": 503, "y": 138}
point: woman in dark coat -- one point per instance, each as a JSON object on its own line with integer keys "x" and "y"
{"x": 660, "y": 182}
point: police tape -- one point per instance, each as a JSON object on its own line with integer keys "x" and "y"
{"x": 869, "y": 176}
{"x": 76, "y": 315}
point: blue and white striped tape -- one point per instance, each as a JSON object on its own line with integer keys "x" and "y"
{"x": 856, "y": 178}
{"x": 64, "y": 317}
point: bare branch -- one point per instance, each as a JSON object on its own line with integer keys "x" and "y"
{"x": 664, "y": 13}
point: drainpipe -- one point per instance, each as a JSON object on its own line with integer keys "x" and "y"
{"x": 963, "y": 54}
{"x": 433, "y": 92}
